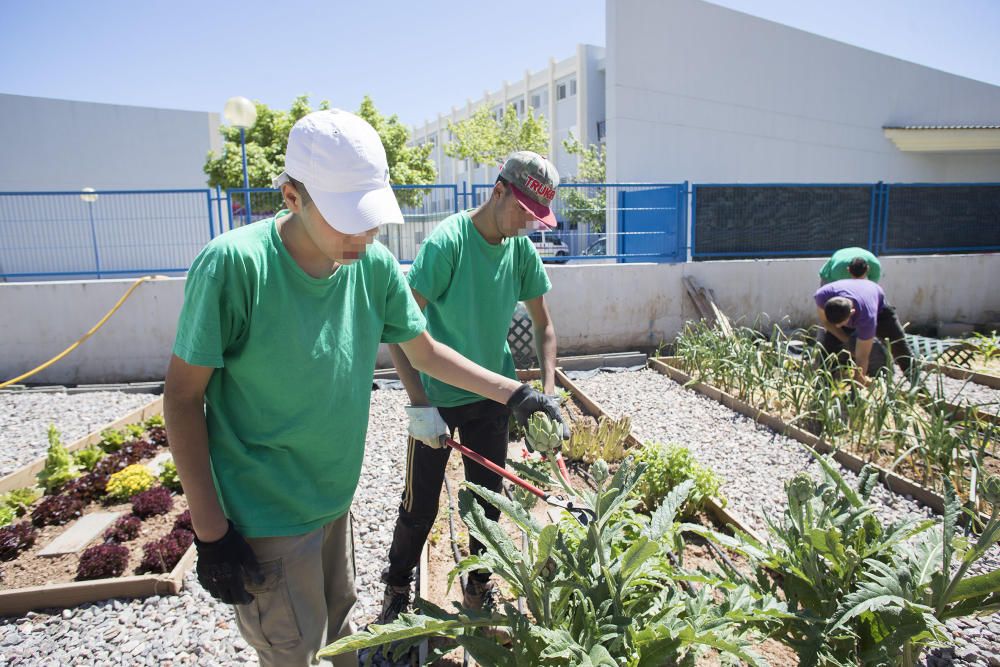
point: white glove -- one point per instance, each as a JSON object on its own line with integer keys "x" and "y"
{"x": 427, "y": 426}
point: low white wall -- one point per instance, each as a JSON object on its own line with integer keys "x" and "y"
{"x": 596, "y": 308}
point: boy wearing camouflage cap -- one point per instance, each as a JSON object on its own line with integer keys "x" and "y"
{"x": 468, "y": 277}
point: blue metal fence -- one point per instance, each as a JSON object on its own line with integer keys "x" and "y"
{"x": 740, "y": 220}
{"x": 107, "y": 233}
{"x": 119, "y": 233}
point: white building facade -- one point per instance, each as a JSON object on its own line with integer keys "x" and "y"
{"x": 702, "y": 93}
{"x": 569, "y": 94}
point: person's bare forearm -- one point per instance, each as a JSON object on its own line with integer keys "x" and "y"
{"x": 545, "y": 348}
{"x": 187, "y": 434}
{"x": 440, "y": 361}
{"x": 409, "y": 376}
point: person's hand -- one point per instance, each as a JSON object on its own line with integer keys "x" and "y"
{"x": 427, "y": 425}
{"x": 222, "y": 565}
{"x": 525, "y": 401}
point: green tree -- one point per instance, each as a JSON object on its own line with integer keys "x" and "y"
{"x": 267, "y": 139}
{"x": 489, "y": 140}
{"x": 579, "y": 206}
{"x": 408, "y": 165}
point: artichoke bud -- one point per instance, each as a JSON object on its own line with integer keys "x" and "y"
{"x": 549, "y": 569}
{"x": 544, "y": 433}
{"x": 599, "y": 471}
{"x": 991, "y": 489}
{"x": 800, "y": 488}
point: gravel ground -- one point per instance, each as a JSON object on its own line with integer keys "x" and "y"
{"x": 754, "y": 463}
{"x": 192, "y": 628}
{"x": 961, "y": 392}
{"x": 25, "y": 418}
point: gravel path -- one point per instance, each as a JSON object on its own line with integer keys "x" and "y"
{"x": 25, "y": 418}
{"x": 754, "y": 463}
{"x": 192, "y": 628}
{"x": 961, "y": 392}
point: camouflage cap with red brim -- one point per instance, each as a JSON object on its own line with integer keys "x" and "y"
{"x": 535, "y": 180}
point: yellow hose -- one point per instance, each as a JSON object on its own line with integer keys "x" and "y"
{"x": 85, "y": 336}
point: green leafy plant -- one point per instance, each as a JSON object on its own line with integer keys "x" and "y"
{"x": 134, "y": 431}
{"x": 606, "y": 440}
{"x": 908, "y": 600}
{"x": 607, "y": 593}
{"x": 19, "y": 500}
{"x": 59, "y": 467}
{"x": 668, "y": 466}
{"x": 169, "y": 477}
{"x": 112, "y": 440}
{"x": 819, "y": 549}
{"x": 87, "y": 458}
{"x": 7, "y": 515}
{"x": 155, "y": 421}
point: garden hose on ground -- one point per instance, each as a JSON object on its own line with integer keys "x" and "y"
{"x": 85, "y": 336}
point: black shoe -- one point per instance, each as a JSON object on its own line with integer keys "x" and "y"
{"x": 395, "y": 601}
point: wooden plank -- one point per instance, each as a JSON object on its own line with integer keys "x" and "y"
{"x": 25, "y": 476}
{"x": 80, "y": 533}
{"x": 704, "y": 301}
{"x": 985, "y": 379}
{"x": 19, "y": 601}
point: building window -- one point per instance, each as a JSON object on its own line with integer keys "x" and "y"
{"x": 536, "y": 101}
{"x": 602, "y": 130}
{"x": 572, "y": 87}
{"x": 520, "y": 107}
{"x": 561, "y": 91}
{"x": 432, "y": 139}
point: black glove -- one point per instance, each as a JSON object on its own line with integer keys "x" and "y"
{"x": 525, "y": 401}
{"x": 222, "y": 564}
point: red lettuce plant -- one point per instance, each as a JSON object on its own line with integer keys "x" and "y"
{"x": 162, "y": 555}
{"x": 88, "y": 488}
{"x": 183, "y": 521}
{"x": 153, "y": 502}
{"x": 125, "y": 529}
{"x": 102, "y": 561}
{"x": 16, "y": 538}
{"x": 56, "y": 510}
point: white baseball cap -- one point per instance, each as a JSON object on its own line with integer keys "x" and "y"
{"x": 340, "y": 159}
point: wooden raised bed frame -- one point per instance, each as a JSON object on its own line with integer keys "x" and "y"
{"x": 17, "y": 602}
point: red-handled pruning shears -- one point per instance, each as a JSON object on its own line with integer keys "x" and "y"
{"x": 579, "y": 512}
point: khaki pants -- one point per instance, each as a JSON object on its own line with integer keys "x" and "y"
{"x": 306, "y": 599}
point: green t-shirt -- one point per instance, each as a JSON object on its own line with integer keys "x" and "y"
{"x": 472, "y": 288}
{"x": 287, "y": 407}
{"x": 836, "y": 267}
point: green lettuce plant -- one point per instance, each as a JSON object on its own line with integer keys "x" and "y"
{"x": 668, "y": 466}
{"x": 59, "y": 466}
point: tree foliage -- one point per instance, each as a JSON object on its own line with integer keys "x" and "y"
{"x": 586, "y": 206}
{"x": 489, "y": 140}
{"x": 267, "y": 139}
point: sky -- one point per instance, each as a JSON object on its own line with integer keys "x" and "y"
{"x": 414, "y": 58}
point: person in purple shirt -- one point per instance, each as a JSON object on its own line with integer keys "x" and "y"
{"x": 849, "y": 307}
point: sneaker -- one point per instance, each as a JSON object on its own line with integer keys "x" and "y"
{"x": 483, "y": 595}
{"x": 395, "y": 601}
{"x": 480, "y": 594}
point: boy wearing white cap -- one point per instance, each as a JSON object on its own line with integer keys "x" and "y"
{"x": 269, "y": 385}
{"x": 468, "y": 277}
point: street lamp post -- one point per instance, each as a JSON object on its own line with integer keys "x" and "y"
{"x": 241, "y": 113}
{"x": 89, "y": 198}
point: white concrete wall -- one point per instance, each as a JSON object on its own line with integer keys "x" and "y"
{"x": 596, "y": 308}
{"x": 702, "y": 93}
{"x": 51, "y": 144}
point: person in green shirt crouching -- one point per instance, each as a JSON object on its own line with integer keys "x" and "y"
{"x": 269, "y": 385}
{"x": 468, "y": 277}
{"x": 859, "y": 264}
